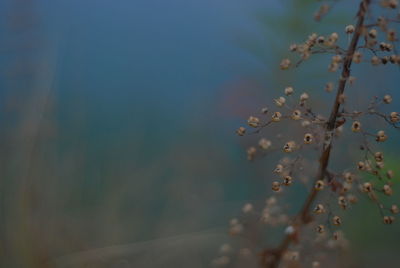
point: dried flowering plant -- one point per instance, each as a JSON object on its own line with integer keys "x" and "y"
{"x": 309, "y": 155}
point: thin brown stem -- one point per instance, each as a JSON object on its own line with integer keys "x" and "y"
{"x": 271, "y": 258}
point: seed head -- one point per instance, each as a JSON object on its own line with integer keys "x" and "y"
{"x": 319, "y": 185}
{"x": 361, "y": 165}
{"x": 387, "y": 190}
{"x": 289, "y": 91}
{"x": 221, "y": 261}
{"x": 388, "y": 219}
{"x": 373, "y": 33}
{"x": 305, "y": 123}
{"x": 287, "y": 180}
{"x": 356, "y": 126}
{"x": 382, "y": 22}
{"x": 385, "y": 46}
{"x": 390, "y": 174}
{"x": 280, "y": 101}
{"x": 251, "y": 152}
{"x": 329, "y": 87}
{"x": 278, "y": 168}
{"x": 352, "y": 198}
{"x": 276, "y": 116}
{"x": 253, "y": 121}
{"x": 342, "y": 202}
{"x": 312, "y": 37}
{"x": 375, "y": 60}
{"x": 319, "y": 209}
{"x": 393, "y": 59}
{"x": 333, "y": 37}
{"x": 233, "y": 221}
{"x": 293, "y": 47}
{"x": 387, "y": 99}
{"x": 348, "y": 177}
{"x": 241, "y": 131}
{"x": 349, "y": 29}
{"x": 336, "y": 236}
{"x": 271, "y": 201}
{"x": 236, "y": 229}
{"x": 264, "y": 110}
{"x": 292, "y": 255}
{"x": 394, "y": 117}
{"x": 225, "y": 248}
{"x": 320, "y": 229}
{"x": 304, "y": 97}
{"x": 391, "y": 35}
{"x": 333, "y": 67}
{"x": 346, "y": 187}
{"x": 323, "y": 9}
{"x": 289, "y": 147}
{"x": 381, "y": 136}
{"x": 378, "y": 156}
{"x": 337, "y": 59}
{"x": 316, "y": 264}
{"x": 285, "y": 64}
{"x": 367, "y": 187}
{"x": 393, "y": 4}
{"x": 337, "y": 221}
{"x": 264, "y": 143}
{"x": 394, "y": 209}
{"x": 308, "y": 138}
{"x": 276, "y": 186}
{"x": 247, "y": 208}
{"x": 296, "y": 115}
{"x": 357, "y": 57}
{"x": 389, "y": 4}
{"x": 380, "y": 165}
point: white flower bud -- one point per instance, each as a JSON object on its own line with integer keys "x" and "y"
{"x": 349, "y": 29}
{"x": 289, "y": 91}
{"x": 280, "y": 101}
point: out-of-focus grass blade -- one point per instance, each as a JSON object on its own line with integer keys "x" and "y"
{"x": 187, "y": 250}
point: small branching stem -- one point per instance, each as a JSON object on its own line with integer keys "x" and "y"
{"x": 271, "y": 258}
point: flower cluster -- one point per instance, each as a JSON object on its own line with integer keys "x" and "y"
{"x": 332, "y": 190}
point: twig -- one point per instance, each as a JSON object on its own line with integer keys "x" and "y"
{"x": 271, "y": 258}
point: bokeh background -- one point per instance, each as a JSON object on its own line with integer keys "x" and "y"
{"x": 117, "y": 124}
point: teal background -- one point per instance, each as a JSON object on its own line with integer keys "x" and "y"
{"x": 117, "y": 127}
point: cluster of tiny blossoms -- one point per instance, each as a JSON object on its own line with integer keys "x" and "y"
{"x": 367, "y": 178}
{"x": 374, "y": 51}
{"x": 270, "y": 215}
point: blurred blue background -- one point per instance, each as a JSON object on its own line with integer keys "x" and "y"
{"x": 118, "y": 118}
